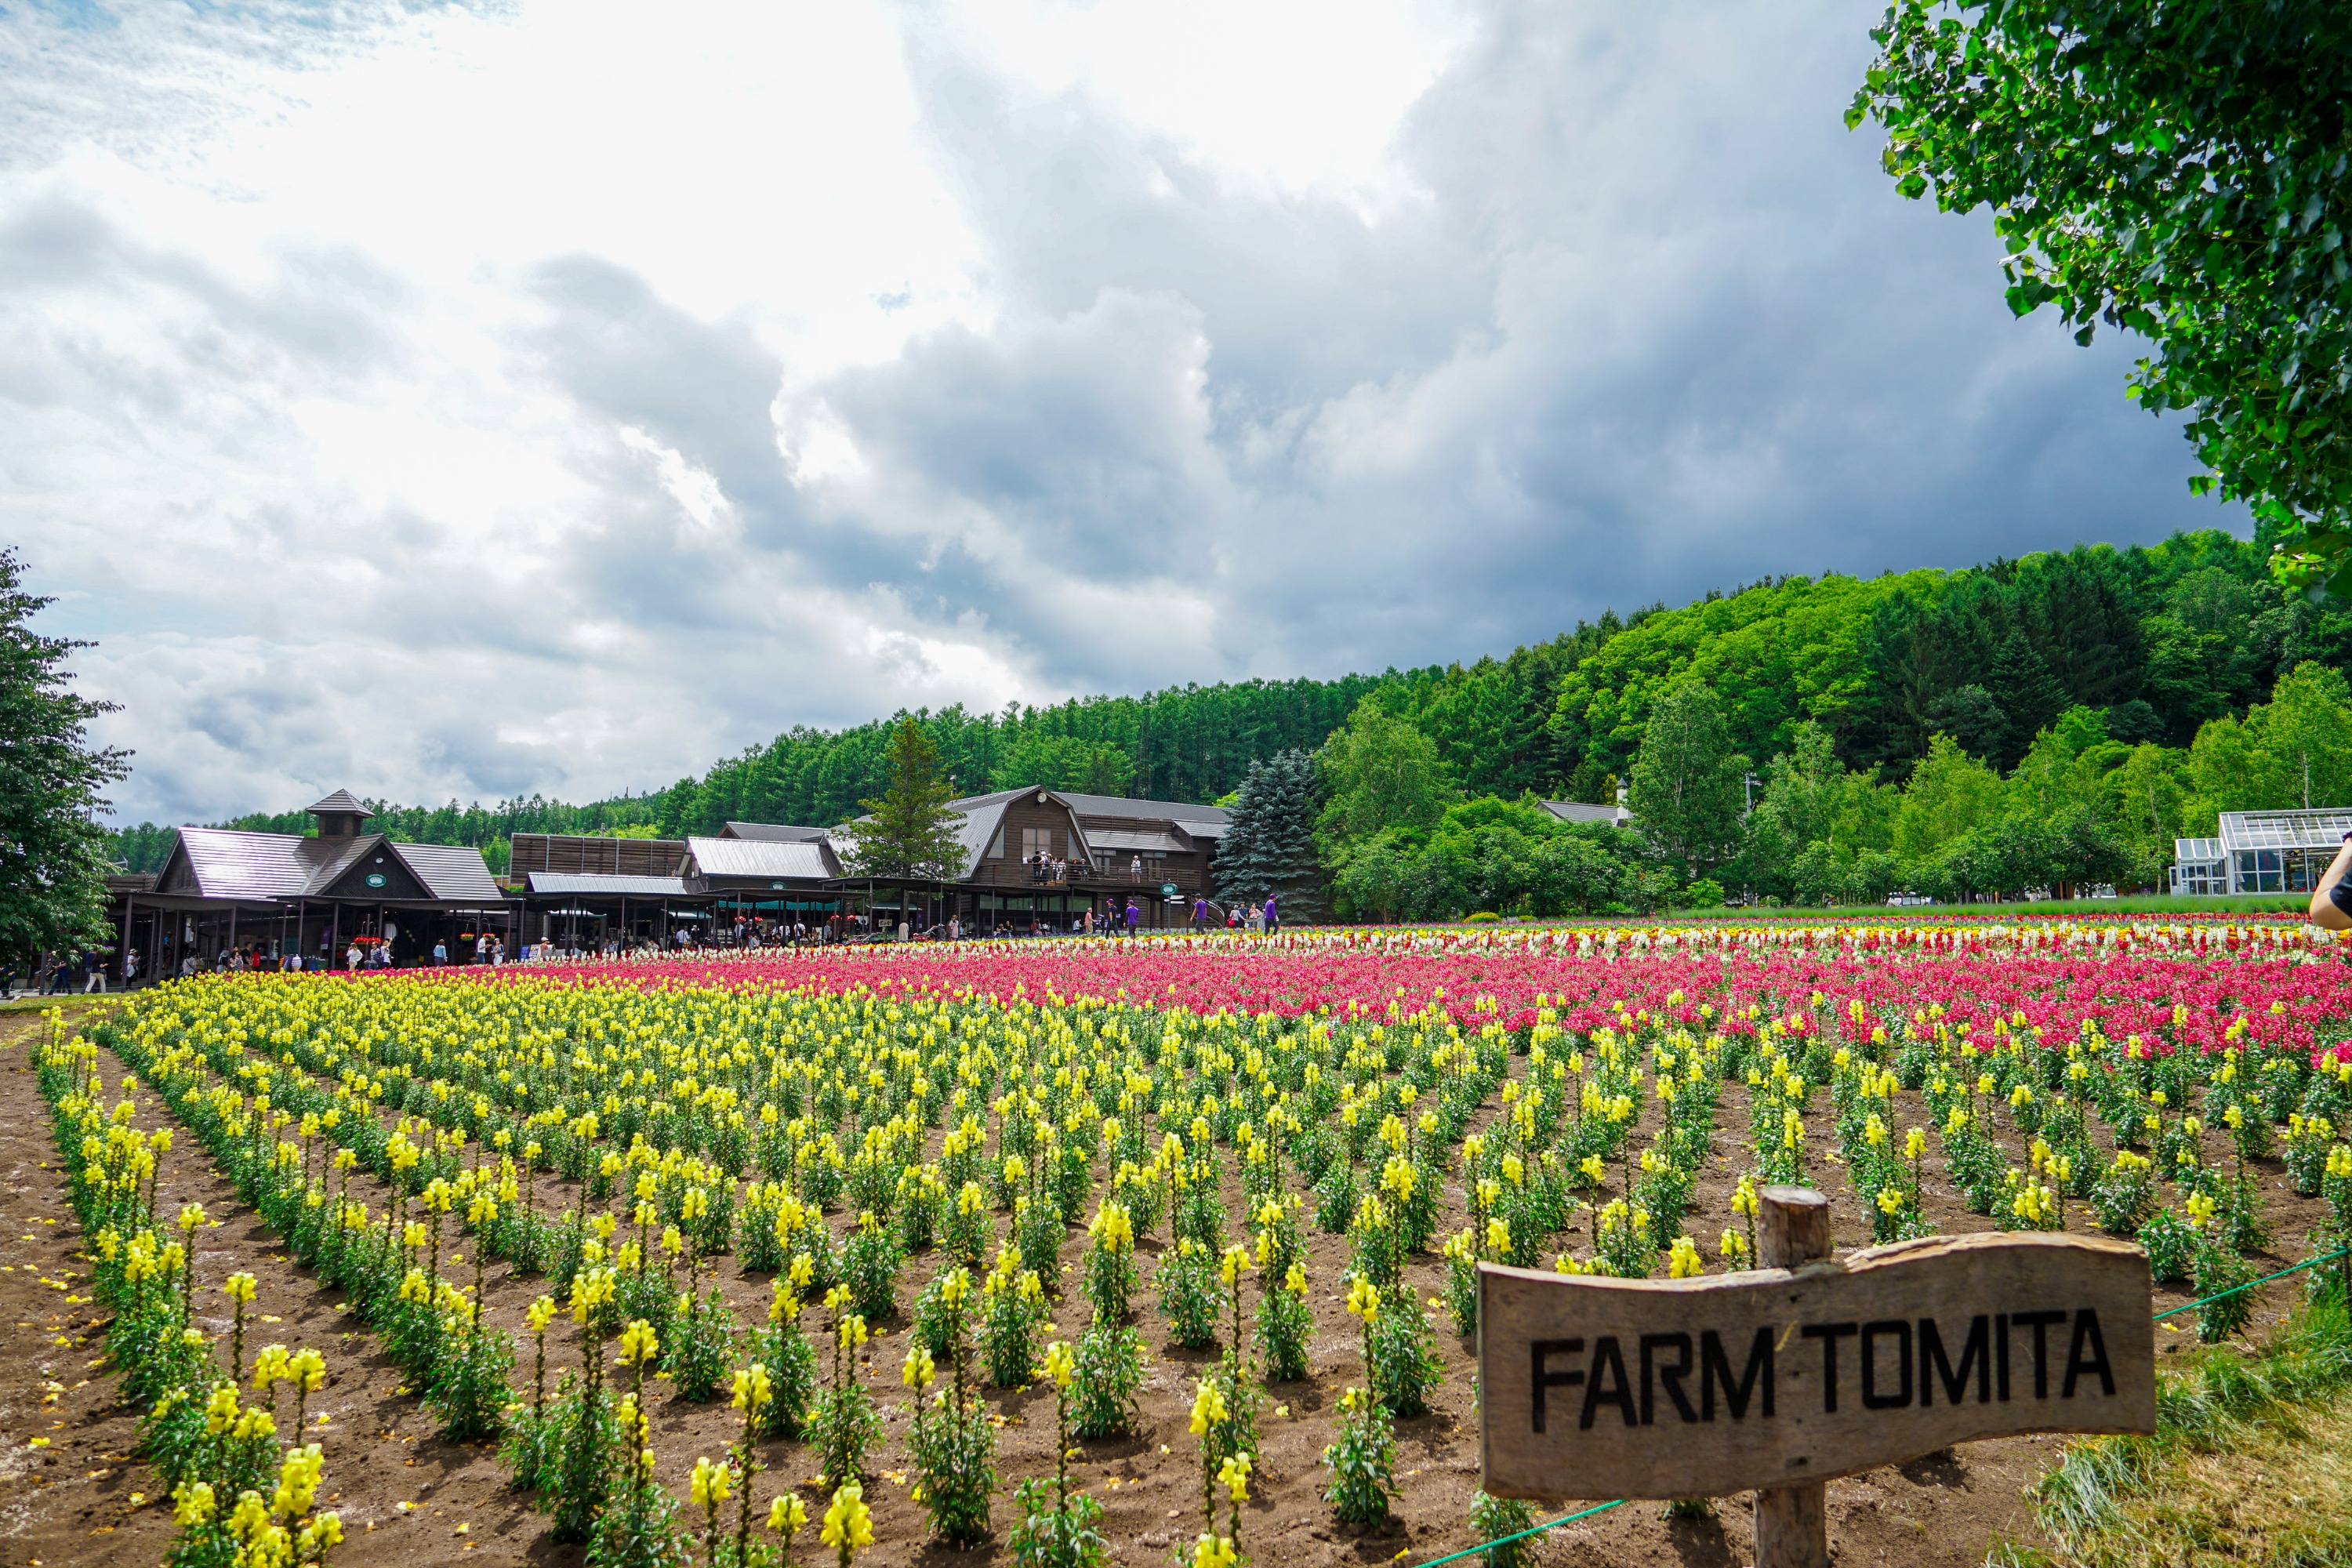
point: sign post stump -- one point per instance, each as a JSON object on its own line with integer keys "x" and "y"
{"x": 1792, "y": 1523}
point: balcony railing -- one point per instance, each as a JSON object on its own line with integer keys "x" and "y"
{"x": 1014, "y": 876}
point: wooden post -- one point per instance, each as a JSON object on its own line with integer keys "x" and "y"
{"x": 1792, "y": 1525}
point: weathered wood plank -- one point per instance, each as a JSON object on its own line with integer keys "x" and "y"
{"x": 1598, "y": 1388}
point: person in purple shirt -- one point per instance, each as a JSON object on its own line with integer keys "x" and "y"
{"x": 1133, "y": 915}
{"x": 1199, "y": 914}
{"x": 1270, "y": 920}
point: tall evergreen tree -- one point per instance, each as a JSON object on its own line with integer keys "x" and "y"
{"x": 910, "y": 832}
{"x": 1270, "y": 847}
{"x": 2028, "y": 693}
{"x": 53, "y": 863}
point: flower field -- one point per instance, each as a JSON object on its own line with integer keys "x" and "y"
{"x": 1092, "y": 1251}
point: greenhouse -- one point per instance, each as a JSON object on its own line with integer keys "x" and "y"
{"x": 2261, "y": 852}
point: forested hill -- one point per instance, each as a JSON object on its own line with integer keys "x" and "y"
{"x": 2160, "y": 639}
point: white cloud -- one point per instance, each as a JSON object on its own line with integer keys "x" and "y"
{"x": 559, "y": 396}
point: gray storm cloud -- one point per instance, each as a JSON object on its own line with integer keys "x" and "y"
{"x": 1635, "y": 318}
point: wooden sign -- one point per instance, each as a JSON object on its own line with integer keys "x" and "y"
{"x": 1591, "y": 1388}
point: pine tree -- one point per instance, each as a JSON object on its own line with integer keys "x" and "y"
{"x": 1270, "y": 847}
{"x": 910, "y": 832}
{"x": 2028, "y": 693}
{"x": 52, "y": 850}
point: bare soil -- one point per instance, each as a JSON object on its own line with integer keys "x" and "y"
{"x": 409, "y": 1499}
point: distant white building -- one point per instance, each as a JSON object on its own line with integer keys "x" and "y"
{"x": 2261, "y": 852}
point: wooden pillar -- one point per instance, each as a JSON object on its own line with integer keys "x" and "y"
{"x": 1792, "y": 1526}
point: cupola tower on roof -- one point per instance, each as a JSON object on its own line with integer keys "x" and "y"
{"x": 340, "y": 815}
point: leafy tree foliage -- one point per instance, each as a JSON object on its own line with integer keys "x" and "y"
{"x": 2180, "y": 170}
{"x": 1505, "y": 857}
{"x": 1380, "y": 771}
{"x": 1688, "y": 792}
{"x": 53, "y": 861}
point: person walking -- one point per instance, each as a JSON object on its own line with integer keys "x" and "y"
{"x": 129, "y": 967}
{"x": 1134, "y": 917}
{"x": 1272, "y": 920}
{"x": 1199, "y": 914}
{"x": 93, "y": 973}
{"x": 440, "y": 953}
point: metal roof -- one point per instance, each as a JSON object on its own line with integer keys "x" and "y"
{"x": 1124, "y": 841}
{"x": 2197, "y": 851}
{"x": 1578, "y": 811}
{"x": 2319, "y": 829}
{"x": 798, "y": 860}
{"x": 978, "y": 817}
{"x": 454, "y": 873}
{"x": 773, "y": 831}
{"x": 593, "y": 882}
{"x": 1194, "y": 829}
{"x": 1142, "y": 810}
{"x": 225, "y": 864}
{"x": 341, "y": 801}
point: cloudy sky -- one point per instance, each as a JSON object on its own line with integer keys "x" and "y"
{"x": 459, "y": 401}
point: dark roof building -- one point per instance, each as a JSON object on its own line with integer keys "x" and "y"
{"x": 310, "y": 894}
{"x": 1047, "y": 856}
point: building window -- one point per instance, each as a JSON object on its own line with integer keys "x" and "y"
{"x": 1037, "y": 841}
{"x": 2259, "y": 871}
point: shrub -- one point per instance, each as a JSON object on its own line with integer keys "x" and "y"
{"x": 869, "y": 1266}
{"x": 1492, "y": 1518}
{"x": 2171, "y": 1244}
{"x": 1285, "y": 1323}
{"x": 1362, "y": 1461}
{"x": 700, "y": 1347}
{"x": 1188, "y": 1294}
{"x": 1110, "y": 1380}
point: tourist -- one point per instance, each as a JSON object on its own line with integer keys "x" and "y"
{"x": 129, "y": 967}
{"x": 1135, "y": 868}
{"x": 440, "y": 953}
{"x": 1134, "y": 916}
{"x": 1199, "y": 914}
{"x": 1271, "y": 923}
{"x": 93, "y": 973}
{"x": 353, "y": 959}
